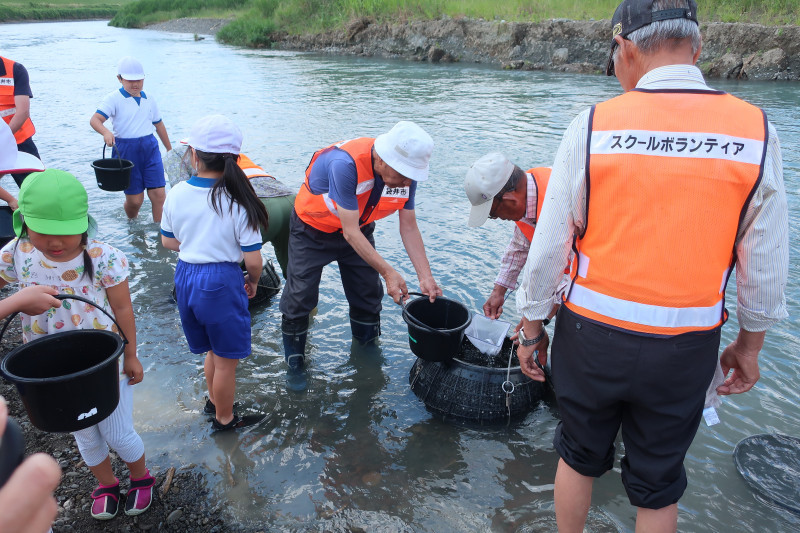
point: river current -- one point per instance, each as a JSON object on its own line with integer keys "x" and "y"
{"x": 359, "y": 441}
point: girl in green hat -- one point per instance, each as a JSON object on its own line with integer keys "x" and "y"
{"x": 54, "y": 246}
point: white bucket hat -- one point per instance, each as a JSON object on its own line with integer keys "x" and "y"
{"x": 130, "y": 69}
{"x": 406, "y": 148}
{"x": 11, "y": 159}
{"x": 485, "y": 178}
{"x": 216, "y": 134}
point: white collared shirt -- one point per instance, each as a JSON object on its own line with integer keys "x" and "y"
{"x": 131, "y": 117}
{"x": 762, "y": 246}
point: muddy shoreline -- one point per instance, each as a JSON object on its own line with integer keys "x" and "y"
{"x": 730, "y": 50}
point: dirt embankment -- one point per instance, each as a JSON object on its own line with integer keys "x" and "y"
{"x": 737, "y": 51}
{"x": 742, "y": 51}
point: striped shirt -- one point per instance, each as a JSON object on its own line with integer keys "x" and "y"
{"x": 762, "y": 242}
{"x": 517, "y": 250}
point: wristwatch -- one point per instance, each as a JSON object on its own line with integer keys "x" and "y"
{"x": 530, "y": 342}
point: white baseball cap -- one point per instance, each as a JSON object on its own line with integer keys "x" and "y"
{"x": 216, "y": 134}
{"x": 406, "y": 148}
{"x": 11, "y": 159}
{"x": 130, "y": 69}
{"x": 485, "y": 178}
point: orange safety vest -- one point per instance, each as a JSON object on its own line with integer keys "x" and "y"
{"x": 7, "y": 106}
{"x": 251, "y": 170}
{"x": 669, "y": 176}
{"x": 319, "y": 211}
{"x": 541, "y": 176}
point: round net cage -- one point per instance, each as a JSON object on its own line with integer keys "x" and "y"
{"x": 476, "y": 388}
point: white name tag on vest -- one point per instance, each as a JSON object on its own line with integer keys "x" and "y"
{"x": 682, "y": 144}
{"x": 396, "y": 192}
{"x": 6, "y": 81}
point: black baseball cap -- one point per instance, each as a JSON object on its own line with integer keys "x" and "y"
{"x": 634, "y": 14}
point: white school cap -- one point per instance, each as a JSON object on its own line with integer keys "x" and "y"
{"x": 485, "y": 178}
{"x": 406, "y": 148}
{"x": 11, "y": 159}
{"x": 216, "y": 134}
{"x": 130, "y": 69}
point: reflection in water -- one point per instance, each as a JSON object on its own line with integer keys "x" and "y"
{"x": 358, "y": 447}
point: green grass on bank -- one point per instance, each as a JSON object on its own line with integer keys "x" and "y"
{"x": 256, "y": 21}
{"x": 11, "y": 10}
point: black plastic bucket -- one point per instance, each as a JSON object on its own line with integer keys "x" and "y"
{"x": 69, "y": 380}
{"x": 112, "y": 174}
{"x": 6, "y": 225}
{"x": 435, "y": 330}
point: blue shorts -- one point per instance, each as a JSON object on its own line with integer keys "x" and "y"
{"x": 213, "y": 306}
{"x": 148, "y": 170}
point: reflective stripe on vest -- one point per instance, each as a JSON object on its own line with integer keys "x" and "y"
{"x": 251, "y": 170}
{"x": 668, "y": 179}
{"x": 541, "y": 176}
{"x": 8, "y": 107}
{"x": 320, "y": 211}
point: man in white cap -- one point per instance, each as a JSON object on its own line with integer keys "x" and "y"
{"x": 13, "y": 160}
{"x": 662, "y": 192}
{"x": 348, "y": 186}
{"x": 497, "y": 188}
{"x": 15, "y": 106}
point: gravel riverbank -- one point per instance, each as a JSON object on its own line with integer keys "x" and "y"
{"x": 182, "y": 501}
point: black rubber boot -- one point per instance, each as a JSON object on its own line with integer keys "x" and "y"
{"x": 294, "y": 333}
{"x": 366, "y": 327}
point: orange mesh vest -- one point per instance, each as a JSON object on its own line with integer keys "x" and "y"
{"x": 669, "y": 176}
{"x": 251, "y": 170}
{"x": 541, "y": 176}
{"x": 319, "y": 211}
{"x": 7, "y": 106}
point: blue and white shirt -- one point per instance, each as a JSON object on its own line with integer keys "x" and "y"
{"x": 132, "y": 116}
{"x": 205, "y": 235}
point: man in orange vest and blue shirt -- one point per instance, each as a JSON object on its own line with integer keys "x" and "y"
{"x": 497, "y": 188}
{"x": 15, "y": 106}
{"x": 348, "y": 186}
{"x": 663, "y": 190}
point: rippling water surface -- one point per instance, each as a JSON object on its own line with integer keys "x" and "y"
{"x": 359, "y": 441}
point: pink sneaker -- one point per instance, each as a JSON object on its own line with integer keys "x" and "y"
{"x": 106, "y": 502}
{"x": 140, "y": 495}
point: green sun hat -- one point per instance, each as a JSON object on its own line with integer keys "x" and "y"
{"x": 53, "y": 202}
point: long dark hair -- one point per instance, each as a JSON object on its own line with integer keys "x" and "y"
{"x": 88, "y": 266}
{"x": 235, "y": 184}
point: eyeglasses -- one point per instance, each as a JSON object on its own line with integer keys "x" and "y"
{"x": 495, "y": 204}
{"x": 610, "y": 68}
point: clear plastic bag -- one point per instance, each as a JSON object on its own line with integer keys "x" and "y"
{"x": 176, "y": 164}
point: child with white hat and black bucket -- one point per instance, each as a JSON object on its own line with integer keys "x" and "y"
{"x": 135, "y": 117}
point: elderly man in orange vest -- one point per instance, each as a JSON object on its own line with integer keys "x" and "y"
{"x": 664, "y": 190}
{"x": 497, "y": 188}
{"x": 349, "y": 186}
{"x": 15, "y": 106}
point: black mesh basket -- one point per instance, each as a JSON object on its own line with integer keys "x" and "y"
{"x": 269, "y": 284}
{"x": 470, "y": 388}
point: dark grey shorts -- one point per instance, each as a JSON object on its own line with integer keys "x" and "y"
{"x": 653, "y": 389}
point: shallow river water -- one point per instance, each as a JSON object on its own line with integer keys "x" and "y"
{"x": 359, "y": 441}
